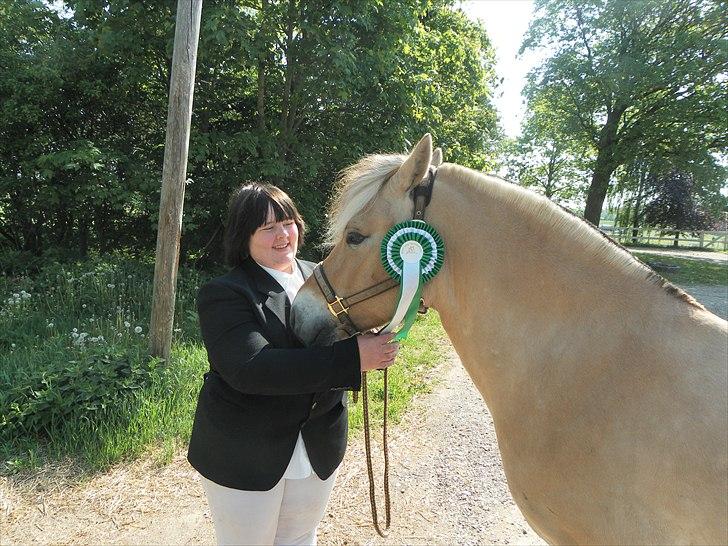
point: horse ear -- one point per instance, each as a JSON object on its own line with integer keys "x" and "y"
{"x": 414, "y": 168}
{"x": 437, "y": 157}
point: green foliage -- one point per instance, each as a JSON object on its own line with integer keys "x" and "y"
{"x": 546, "y": 158}
{"x": 633, "y": 79}
{"x": 288, "y": 92}
{"x": 70, "y": 391}
{"x": 74, "y": 370}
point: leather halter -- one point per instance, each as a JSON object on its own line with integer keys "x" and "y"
{"x": 339, "y": 307}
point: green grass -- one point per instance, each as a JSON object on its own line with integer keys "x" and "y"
{"x": 74, "y": 363}
{"x": 75, "y": 378}
{"x": 691, "y": 271}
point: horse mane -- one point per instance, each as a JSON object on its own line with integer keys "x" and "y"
{"x": 358, "y": 185}
{"x": 556, "y": 217}
{"x": 356, "y": 188}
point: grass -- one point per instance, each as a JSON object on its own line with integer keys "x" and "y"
{"x": 76, "y": 381}
{"x": 691, "y": 271}
{"x": 75, "y": 378}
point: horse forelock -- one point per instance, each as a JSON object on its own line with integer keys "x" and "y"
{"x": 356, "y": 188}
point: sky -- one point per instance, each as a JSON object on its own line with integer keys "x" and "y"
{"x": 506, "y": 21}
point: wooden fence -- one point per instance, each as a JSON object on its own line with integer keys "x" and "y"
{"x": 710, "y": 240}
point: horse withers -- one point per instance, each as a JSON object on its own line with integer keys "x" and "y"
{"x": 607, "y": 384}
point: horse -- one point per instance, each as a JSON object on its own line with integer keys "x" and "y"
{"x": 607, "y": 384}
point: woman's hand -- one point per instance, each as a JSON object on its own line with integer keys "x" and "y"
{"x": 376, "y": 352}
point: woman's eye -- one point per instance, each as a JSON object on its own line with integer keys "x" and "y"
{"x": 354, "y": 238}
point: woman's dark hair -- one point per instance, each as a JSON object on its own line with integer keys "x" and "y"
{"x": 248, "y": 210}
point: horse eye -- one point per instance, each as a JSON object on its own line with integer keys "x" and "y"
{"x": 354, "y": 238}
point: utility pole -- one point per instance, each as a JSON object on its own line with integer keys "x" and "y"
{"x": 174, "y": 174}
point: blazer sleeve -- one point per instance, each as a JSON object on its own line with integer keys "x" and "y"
{"x": 239, "y": 351}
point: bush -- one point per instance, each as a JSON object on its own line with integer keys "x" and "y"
{"x": 70, "y": 391}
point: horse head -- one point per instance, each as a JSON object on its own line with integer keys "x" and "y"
{"x": 373, "y": 195}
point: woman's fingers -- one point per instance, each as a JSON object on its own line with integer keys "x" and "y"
{"x": 377, "y": 351}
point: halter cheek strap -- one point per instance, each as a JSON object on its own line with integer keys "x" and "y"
{"x": 339, "y": 307}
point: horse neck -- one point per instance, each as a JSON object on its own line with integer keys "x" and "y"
{"x": 526, "y": 285}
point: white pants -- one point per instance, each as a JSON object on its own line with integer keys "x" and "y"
{"x": 287, "y": 514}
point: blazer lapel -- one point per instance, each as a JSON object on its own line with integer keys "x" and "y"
{"x": 275, "y": 298}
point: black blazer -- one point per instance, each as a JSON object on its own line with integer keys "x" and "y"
{"x": 263, "y": 387}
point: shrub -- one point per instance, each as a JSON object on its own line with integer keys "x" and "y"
{"x": 75, "y": 390}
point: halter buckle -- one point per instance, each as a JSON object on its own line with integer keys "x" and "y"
{"x": 341, "y": 310}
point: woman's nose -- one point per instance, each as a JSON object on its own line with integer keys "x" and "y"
{"x": 282, "y": 230}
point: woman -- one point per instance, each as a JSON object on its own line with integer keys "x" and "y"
{"x": 271, "y": 420}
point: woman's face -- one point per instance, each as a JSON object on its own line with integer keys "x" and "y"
{"x": 274, "y": 244}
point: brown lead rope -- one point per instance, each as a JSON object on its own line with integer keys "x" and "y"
{"x": 367, "y": 446}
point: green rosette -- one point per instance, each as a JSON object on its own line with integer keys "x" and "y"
{"x": 431, "y": 251}
{"x": 413, "y": 230}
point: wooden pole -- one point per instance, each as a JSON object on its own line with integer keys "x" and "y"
{"x": 174, "y": 173}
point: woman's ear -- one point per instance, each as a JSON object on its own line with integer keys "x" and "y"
{"x": 415, "y": 167}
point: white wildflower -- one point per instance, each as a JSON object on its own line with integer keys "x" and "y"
{"x": 126, "y": 324}
{"x": 138, "y": 330}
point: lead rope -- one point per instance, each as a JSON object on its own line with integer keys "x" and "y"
{"x": 368, "y": 449}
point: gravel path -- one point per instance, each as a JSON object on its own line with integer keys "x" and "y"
{"x": 446, "y": 480}
{"x": 713, "y": 297}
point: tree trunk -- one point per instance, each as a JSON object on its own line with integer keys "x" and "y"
{"x": 286, "y": 114}
{"x": 603, "y": 168}
{"x": 637, "y": 206}
{"x": 262, "y": 57}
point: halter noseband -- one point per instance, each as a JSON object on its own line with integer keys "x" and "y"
{"x": 339, "y": 307}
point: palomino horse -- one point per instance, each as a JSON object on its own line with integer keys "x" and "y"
{"x": 606, "y": 383}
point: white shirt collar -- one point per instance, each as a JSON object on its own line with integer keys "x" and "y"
{"x": 290, "y": 282}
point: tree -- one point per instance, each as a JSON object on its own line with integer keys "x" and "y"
{"x": 546, "y": 158}
{"x": 674, "y": 205}
{"x": 287, "y": 91}
{"x": 633, "y": 75}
